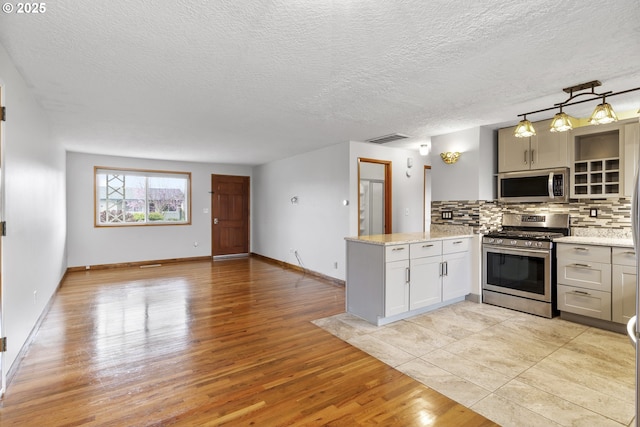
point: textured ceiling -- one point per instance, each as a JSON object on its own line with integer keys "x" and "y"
{"x": 249, "y": 82}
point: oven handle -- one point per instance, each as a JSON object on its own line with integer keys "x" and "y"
{"x": 506, "y": 250}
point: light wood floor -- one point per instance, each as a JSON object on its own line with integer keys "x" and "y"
{"x": 209, "y": 343}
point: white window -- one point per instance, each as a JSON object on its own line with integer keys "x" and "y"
{"x": 141, "y": 197}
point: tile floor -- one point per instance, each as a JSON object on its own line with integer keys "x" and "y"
{"x": 515, "y": 369}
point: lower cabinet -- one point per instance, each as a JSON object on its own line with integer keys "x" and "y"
{"x": 623, "y": 285}
{"x": 597, "y": 281}
{"x": 411, "y": 279}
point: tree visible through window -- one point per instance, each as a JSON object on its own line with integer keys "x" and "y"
{"x": 140, "y": 197}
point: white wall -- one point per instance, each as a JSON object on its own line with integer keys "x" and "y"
{"x": 33, "y": 251}
{"x": 472, "y": 177}
{"x": 88, "y": 245}
{"x": 316, "y": 225}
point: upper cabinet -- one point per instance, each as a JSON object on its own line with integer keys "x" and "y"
{"x": 544, "y": 150}
{"x": 604, "y": 159}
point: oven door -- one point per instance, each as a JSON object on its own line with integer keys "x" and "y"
{"x": 520, "y": 272}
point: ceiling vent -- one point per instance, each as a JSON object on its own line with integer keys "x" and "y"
{"x": 387, "y": 138}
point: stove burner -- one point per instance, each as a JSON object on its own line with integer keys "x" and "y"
{"x": 522, "y": 234}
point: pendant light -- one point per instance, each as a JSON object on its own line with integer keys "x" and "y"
{"x": 524, "y": 129}
{"x": 561, "y": 122}
{"x": 603, "y": 114}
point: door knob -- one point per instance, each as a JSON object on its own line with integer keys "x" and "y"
{"x": 215, "y": 220}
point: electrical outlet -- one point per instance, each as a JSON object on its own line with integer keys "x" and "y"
{"x": 593, "y": 213}
{"x": 447, "y": 214}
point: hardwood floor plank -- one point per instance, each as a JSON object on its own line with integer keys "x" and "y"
{"x": 222, "y": 343}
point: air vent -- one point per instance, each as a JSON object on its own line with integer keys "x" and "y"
{"x": 388, "y": 138}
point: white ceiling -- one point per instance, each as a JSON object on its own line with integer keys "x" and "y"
{"x": 251, "y": 81}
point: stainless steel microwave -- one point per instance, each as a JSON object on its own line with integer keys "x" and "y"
{"x": 544, "y": 185}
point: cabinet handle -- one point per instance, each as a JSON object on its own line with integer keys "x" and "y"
{"x": 581, "y": 293}
{"x": 532, "y": 156}
{"x": 446, "y": 268}
{"x": 398, "y": 249}
{"x": 407, "y": 275}
{"x": 458, "y": 242}
{"x": 581, "y": 265}
{"x": 630, "y": 253}
{"x": 441, "y": 269}
{"x": 578, "y": 248}
{"x": 525, "y": 156}
{"x": 427, "y": 246}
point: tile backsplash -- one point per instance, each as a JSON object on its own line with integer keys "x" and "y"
{"x": 613, "y": 215}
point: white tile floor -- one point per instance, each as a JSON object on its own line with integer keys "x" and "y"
{"x": 515, "y": 369}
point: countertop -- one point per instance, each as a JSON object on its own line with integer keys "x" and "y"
{"x": 599, "y": 241}
{"x": 404, "y": 238}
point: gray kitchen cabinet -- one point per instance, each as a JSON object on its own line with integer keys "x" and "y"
{"x": 544, "y": 150}
{"x": 623, "y": 284}
{"x": 597, "y": 281}
{"x": 584, "y": 280}
{"x": 389, "y": 282}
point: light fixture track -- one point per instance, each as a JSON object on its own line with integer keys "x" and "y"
{"x": 561, "y": 122}
{"x": 564, "y": 104}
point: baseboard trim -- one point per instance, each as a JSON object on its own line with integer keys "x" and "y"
{"x": 142, "y": 264}
{"x": 299, "y": 269}
{"x": 13, "y": 369}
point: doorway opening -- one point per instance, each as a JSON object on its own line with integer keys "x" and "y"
{"x": 374, "y": 197}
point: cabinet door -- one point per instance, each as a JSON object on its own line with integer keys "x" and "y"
{"x": 513, "y": 153}
{"x": 623, "y": 293}
{"x": 426, "y": 287}
{"x": 457, "y": 280}
{"x": 396, "y": 287}
{"x": 549, "y": 149}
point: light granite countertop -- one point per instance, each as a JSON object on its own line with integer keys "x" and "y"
{"x": 404, "y": 238}
{"x": 599, "y": 241}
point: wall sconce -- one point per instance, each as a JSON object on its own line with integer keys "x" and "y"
{"x": 602, "y": 114}
{"x": 450, "y": 157}
{"x": 424, "y": 149}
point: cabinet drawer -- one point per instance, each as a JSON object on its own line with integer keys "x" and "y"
{"x": 455, "y": 245}
{"x": 584, "y": 274}
{"x": 396, "y": 253}
{"x": 585, "y": 252}
{"x": 623, "y": 256}
{"x": 425, "y": 249}
{"x": 585, "y": 302}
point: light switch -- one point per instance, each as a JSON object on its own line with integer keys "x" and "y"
{"x": 447, "y": 214}
{"x": 205, "y": 211}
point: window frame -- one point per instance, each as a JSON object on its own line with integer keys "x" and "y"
{"x": 146, "y": 173}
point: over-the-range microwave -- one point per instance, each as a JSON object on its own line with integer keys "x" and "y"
{"x": 544, "y": 185}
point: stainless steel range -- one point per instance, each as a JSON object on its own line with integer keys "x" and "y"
{"x": 519, "y": 263}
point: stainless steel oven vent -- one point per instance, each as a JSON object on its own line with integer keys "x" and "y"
{"x": 387, "y": 138}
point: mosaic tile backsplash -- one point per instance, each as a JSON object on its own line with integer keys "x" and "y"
{"x": 613, "y": 215}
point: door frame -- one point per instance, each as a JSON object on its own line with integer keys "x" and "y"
{"x": 424, "y": 198}
{"x": 388, "y": 219}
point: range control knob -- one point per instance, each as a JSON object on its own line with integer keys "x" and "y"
{"x": 539, "y": 244}
{"x": 528, "y": 243}
{"x": 513, "y": 242}
{"x": 499, "y": 241}
{"x": 491, "y": 240}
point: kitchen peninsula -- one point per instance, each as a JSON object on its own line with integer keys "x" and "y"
{"x": 395, "y": 276}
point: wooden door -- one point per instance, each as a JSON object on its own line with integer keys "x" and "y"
{"x": 230, "y": 215}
